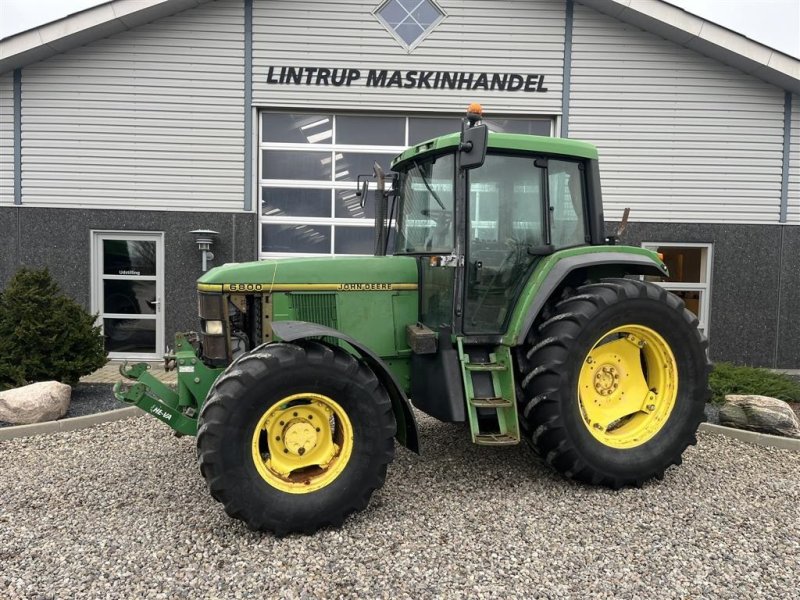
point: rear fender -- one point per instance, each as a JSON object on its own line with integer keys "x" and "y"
{"x": 588, "y": 265}
{"x": 407, "y": 435}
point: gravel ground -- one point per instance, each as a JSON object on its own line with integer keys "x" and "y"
{"x": 120, "y": 510}
{"x": 87, "y": 399}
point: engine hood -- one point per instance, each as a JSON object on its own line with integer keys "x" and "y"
{"x": 357, "y": 273}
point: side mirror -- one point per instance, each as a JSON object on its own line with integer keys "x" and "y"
{"x": 473, "y": 146}
{"x": 362, "y": 187}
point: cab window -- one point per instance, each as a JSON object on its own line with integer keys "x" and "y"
{"x": 567, "y": 213}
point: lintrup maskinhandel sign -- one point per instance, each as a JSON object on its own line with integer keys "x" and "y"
{"x": 384, "y": 78}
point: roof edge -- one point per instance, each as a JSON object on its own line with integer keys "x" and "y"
{"x": 656, "y": 16}
{"x": 84, "y": 27}
{"x": 705, "y": 37}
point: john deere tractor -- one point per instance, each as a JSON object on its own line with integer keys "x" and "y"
{"x": 494, "y": 298}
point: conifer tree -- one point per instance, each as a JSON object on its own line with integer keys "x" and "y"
{"x": 44, "y": 335}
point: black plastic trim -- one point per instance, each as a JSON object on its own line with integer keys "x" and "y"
{"x": 594, "y": 199}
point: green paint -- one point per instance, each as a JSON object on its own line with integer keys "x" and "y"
{"x": 501, "y": 370}
{"x": 327, "y": 269}
{"x": 178, "y": 410}
{"x": 501, "y": 141}
{"x": 542, "y": 270}
{"x": 376, "y": 319}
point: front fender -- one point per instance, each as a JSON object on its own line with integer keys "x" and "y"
{"x": 407, "y": 435}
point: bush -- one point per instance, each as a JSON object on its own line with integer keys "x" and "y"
{"x": 45, "y": 335}
{"x": 731, "y": 379}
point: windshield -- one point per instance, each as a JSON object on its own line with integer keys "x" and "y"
{"x": 425, "y": 217}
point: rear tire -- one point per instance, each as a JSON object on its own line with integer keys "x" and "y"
{"x": 274, "y": 393}
{"x": 605, "y": 339}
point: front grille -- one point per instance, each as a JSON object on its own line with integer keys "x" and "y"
{"x": 316, "y": 308}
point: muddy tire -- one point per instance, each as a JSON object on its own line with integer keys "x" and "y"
{"x": 613, "y": 383}
{"x": 295, "y": 437}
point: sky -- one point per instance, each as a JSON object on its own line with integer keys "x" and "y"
{"x": 775, "y": 23}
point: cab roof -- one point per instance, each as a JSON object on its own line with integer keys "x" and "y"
{"x": 500, "y": 141}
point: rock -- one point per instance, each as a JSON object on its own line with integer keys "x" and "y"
{"x": 759, "y": 413}
{"x": 35, "y": 403}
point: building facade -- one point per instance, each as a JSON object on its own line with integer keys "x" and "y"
{"x": 125, "y": 128}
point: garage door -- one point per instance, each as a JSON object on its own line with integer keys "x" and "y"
{"x": 308, "y": 164}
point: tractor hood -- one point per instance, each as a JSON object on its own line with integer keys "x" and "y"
{"x": 357, "y": 273}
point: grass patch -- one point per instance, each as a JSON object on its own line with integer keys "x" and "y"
{"x": 731, "y": 379}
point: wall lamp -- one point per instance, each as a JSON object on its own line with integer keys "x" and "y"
{"x": 205, "y": 239}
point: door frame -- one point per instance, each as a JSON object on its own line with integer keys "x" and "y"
{"x": 96, "y": 238}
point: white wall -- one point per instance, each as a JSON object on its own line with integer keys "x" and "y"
{"x": 793, "y": 215}
{"x": 6, "y": 139}
{"x": 149, "y": 118}
{"x": 501, "y": 36}
{"x": 681, "y": 136}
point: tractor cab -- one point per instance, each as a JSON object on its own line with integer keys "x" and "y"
{"x": 479, "y": 210}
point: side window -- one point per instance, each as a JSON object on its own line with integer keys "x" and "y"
{"x": 567, "y": 215}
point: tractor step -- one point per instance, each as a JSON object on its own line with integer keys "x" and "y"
{"x": 491, "y": 402}
{"x": 490, "y": 366}
{"x": 495, "y": 439}
{"x": 491, "y": 395}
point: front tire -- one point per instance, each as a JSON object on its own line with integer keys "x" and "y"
{"x": 295, "y": 437}
{"x": 613, "y": 383}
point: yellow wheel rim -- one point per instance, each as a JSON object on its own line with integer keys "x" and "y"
{"x": 627, "y": 386}
{"x": 302, "y": 443}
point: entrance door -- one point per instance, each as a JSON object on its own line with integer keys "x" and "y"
{"x": 128, "y": 292}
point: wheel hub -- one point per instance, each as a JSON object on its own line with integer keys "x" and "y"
{"x": 606, "y": 380}
{"x": 299, "y": 437}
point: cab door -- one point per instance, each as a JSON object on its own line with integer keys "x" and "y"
{"x": 507, "y": 214}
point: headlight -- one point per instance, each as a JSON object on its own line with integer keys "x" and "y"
{"x": 213, "y": 327}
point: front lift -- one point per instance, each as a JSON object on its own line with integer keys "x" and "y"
{"x": 177, "y": 408}
{"x": 502, "y": 305}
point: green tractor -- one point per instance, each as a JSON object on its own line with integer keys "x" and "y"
{"x": 503, "y": 305}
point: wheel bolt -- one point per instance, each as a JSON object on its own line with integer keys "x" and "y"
{"x": 286, "y": 451}
{"x": 277, "y": 438}
{"x": 318, "y": 430}
{"x": 295, "y": 414}
{"x": 651, "y": 407}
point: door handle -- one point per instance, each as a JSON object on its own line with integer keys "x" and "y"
{"x": 154, "y": 303}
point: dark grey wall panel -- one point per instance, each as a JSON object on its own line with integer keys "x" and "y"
{"x": 788, "y": 355}
{"x": 60, "y": 240}
{"x": 8, "y": 243}
{"x": 743, "y": 327}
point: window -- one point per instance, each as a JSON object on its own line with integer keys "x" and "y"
{"x": 308, "y": 164}
{"x": 426, "y": 223}
{"x": 409, "y": 21}
{"x": 566, "y": 201}
{"x": 689, "y": 275}
{"x": 506, "y": 208}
